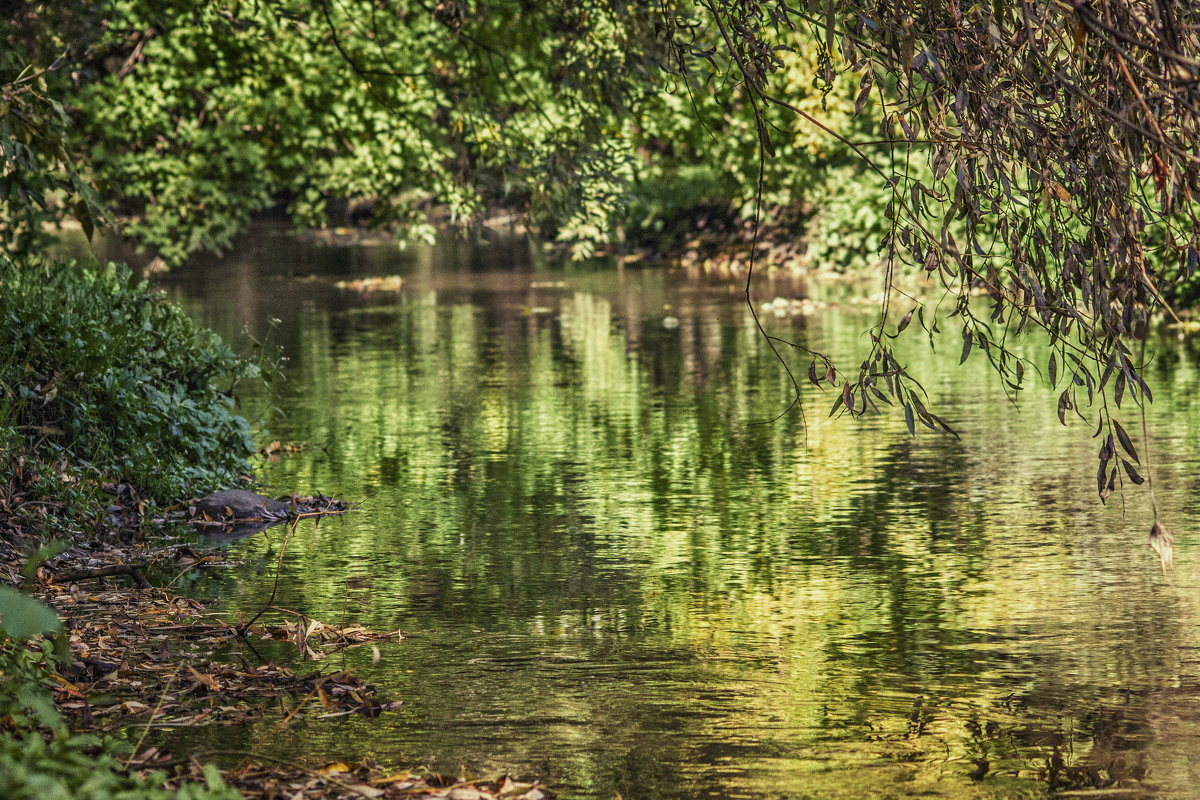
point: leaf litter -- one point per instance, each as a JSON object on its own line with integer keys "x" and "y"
{"x": 145, "y": 655}
{"x": 143, "y": 658}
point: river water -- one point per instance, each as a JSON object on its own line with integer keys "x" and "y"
{"x": 616, "y": 571}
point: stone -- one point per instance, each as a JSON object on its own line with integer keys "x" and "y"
{"x": 241, "y": 504}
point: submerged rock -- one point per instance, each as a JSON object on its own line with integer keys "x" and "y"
{"x": 232, "y": 504}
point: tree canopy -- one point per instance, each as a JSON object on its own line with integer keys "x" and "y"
{"x": 195, "y": 116}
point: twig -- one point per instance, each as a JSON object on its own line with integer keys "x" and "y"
{"x": 153, "y": 714}
{"x": 136, "y": 56}
{"x": 241, "y": 630}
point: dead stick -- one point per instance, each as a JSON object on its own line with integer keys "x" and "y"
{"x": 104, "y": 572}
{"x": 153, "y": 714}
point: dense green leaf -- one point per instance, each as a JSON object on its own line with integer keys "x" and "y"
{"x": 22, "y": 617}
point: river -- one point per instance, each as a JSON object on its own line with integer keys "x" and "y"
{"x": 617, "y": 568}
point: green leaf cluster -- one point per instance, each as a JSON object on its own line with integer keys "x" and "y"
{"x": 40, "y": 176}
{"x": 24, "y": 670}
{"x": 102, "y": 379}
{"x": 200, "y": 115}
{"x": 83, "y": 767}
{"x": 22, "y": 617}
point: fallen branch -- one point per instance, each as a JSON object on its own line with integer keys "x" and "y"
{"x": 133, "y": 570}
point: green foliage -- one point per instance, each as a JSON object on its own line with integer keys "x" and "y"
{"x": 82, "y": 767}
{"x": 662, "y": 211}
{"x": 201, "y": 114}
{"x": 24, "y": 669}
{"x": 104, "y": 380}
{"x": 22, "y": 617}
{"x": 848, "y": 225}
{"x": 1181, "y": 287}
{"x": 700, "y": 147}
{"x": 40, "y": 179}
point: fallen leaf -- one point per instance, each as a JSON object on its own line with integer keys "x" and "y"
{"x": 337, "y": 767}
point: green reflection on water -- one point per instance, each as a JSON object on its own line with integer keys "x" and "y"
{"x": 615, "y": 573}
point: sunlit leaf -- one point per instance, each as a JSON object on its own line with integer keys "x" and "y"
{"x": 336, "y": 768}
{"x": 838, "y": 402}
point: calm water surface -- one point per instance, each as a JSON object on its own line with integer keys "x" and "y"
{"x": 615, "y": 574}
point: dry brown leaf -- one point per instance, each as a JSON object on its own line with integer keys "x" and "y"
{"x": 1162, "y": 541}
{"x": 208, "y": 681}
{"x": 337, "y": 768}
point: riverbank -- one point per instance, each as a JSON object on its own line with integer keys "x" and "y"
{"x": 145, "y": 658}
{"x": 114, "y": 408}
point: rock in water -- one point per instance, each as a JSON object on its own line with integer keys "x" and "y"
{"x": 241, "y": 504}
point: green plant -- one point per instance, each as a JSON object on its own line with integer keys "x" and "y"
{"x": 42, "y": 178}
{"x": 848, "y": 225}
{"x": 83, "y": 767}
{"x": 103, "y": 380}
{"x": 23, "y": 670}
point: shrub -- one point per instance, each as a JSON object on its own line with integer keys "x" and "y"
{"x": 845, "y": 233}
{"x": 102, "y": 379}
{"x": 82, "y": 767}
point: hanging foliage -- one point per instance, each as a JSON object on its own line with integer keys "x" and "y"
{"x": 1062, "y": 142}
